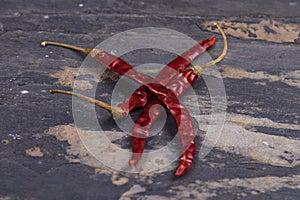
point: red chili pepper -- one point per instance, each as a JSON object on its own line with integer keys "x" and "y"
{"x": 140, "y": 97}
{"x": 165, "y": 97}
{"x": 142, "y": 126}
{"x": 141, "y": 129}
{"x": 169, "y": 100}
{"x": 178, "y": 85}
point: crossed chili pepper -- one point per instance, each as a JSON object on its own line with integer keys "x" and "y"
{"x": 169, "y": 84}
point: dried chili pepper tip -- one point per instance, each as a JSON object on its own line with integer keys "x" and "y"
{"x": 211, "y": 40}
{"x": 132, "y": 162}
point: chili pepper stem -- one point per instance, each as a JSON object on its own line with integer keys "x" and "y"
{"x": 84, "y": 50}
{"x": 114, "y": 110}
{"x": 199, "y": 68}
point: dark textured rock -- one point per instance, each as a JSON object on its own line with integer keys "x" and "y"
{"x": 267, "y": 87}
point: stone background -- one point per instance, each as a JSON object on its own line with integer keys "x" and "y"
{"x": 257, "y": 155}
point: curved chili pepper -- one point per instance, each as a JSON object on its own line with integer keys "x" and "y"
{"x": 113, "y": 63}
{"x": 140, "y": 97}
{"x": 178, "y": 85}
{"x": 166, "y": 97}
{"x": 141, "y": 129}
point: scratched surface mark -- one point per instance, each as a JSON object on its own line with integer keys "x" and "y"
{"x": 258, "y": 153}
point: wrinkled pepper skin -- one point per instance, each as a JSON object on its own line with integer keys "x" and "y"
{"x": 164, "y": 95}
{"x": 178, "y": 84}
{"x": 141, "y": 97}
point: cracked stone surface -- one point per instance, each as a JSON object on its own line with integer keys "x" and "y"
{"x": 257, "y": 155}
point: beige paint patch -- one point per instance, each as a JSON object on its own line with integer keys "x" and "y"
{"x": 132, "y": 192}
{"x": 67, "y": 76}
{"x": 157, "y": 197}
{"x": 245, "y": 120}
{"x": 78, "y": 153}
{"x": 235, "y": 138}
{"x": 196, "y": 190}
{"x": 269, "y": 149}
{"x": 264, "y": 148}
{"x": 117, "y": 180}
{"x": 110, "y": 75}
{"x": 82, "y": 85}
{"x": 269, "y": 30}
{"x": 35, "y": 152}
{"x": 291, "y": 78}
{"x": 259, "y": 185}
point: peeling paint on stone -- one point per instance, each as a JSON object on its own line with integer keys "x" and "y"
{"x": 35, "y": 152}
{"x": 135, "y": 189}
{"x": 291, "y": 78}
{"x": 156, "y": 197}
{"x": 281, "y": 151}
{"x": 245, "y": 120}
{"x": 118, "y": 180}
{"x": 110, "y": 75}
{"x": 258, "y": 185}
{"x": 269, "y": 30}
{"x": 235, "y": 138}
{"x": 67, "y": 76}
{"x": 77, "y": 152}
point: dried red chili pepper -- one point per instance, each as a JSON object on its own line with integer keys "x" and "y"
{"x": 166, "y": 97}
{"x": 110, "y": 61}
{"x": 170, "y": 101}
{"x": 178, "y": 85}
{"x": 140, "y": 97}
{"x": 176, "y": 109}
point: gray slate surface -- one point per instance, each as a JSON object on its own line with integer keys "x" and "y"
{"x": 223, "y": 174}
